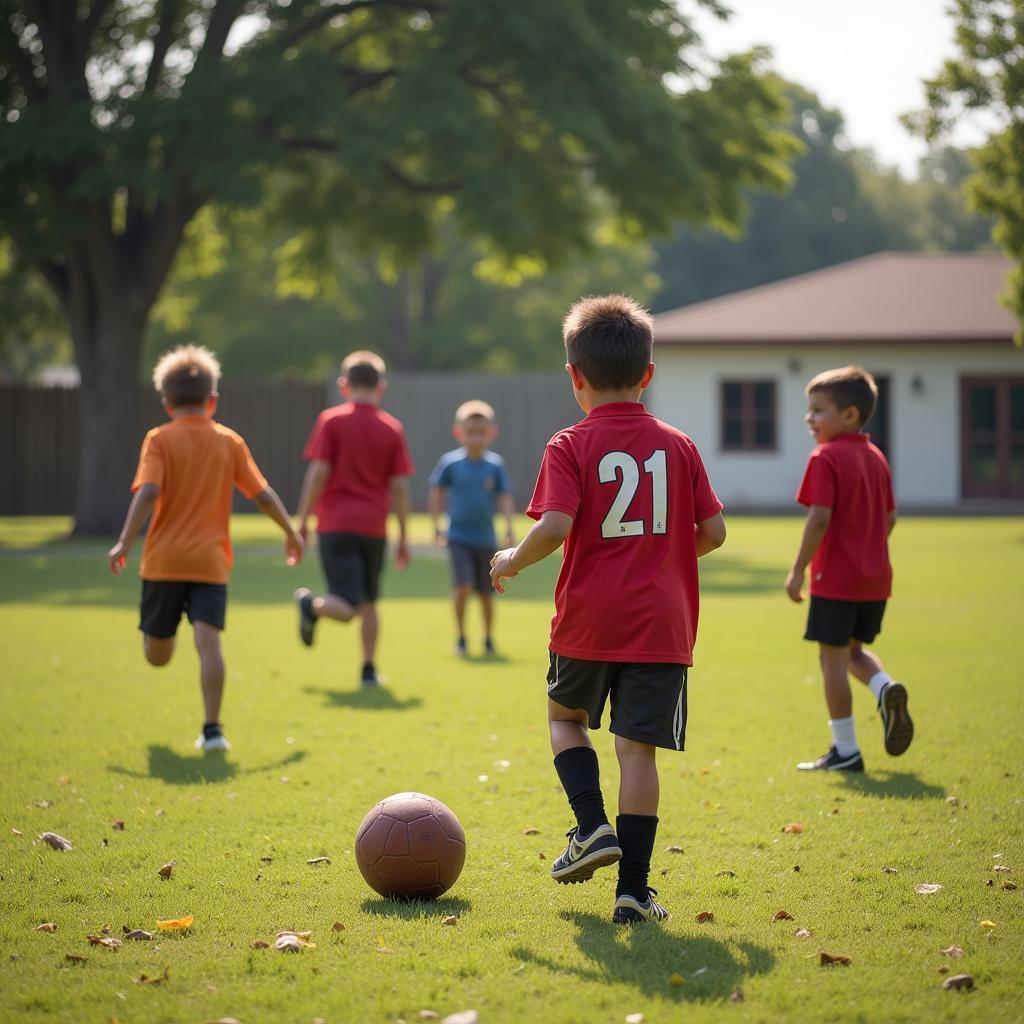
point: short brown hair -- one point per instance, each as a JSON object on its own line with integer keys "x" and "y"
{"x": 363, "y": 369}
{"x": 474, "y": 409}
{"x": 846, "y": 386}
{"x": 609, "y": 339}
{"x": 188, "y": 375}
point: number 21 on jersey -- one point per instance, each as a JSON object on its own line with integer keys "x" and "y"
{"x": 623, "y": 467}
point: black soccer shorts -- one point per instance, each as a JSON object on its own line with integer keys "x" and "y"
{"x": 164, "y": 601}
{"x": 836, "y": 623}
{"x": 471, "y": 566}
{"x": 352, "y": 564}
{"x": 648, "y": 699}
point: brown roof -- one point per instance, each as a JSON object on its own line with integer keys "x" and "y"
{"x": 891, "y": 296}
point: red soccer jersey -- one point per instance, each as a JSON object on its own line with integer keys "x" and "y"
{"x": 635, "y": 488}
{"x": 850, "y": 476}
{"x": 365, "y": 448}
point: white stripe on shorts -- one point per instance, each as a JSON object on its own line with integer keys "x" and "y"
{"x": 677, "y": 718}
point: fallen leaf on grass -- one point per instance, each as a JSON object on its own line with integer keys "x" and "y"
{"x": 428, "y": 1015}
{"x": 664, "y": 872}
{"x": 959, "y": 981}
{"x": 673, "y": 849}
{"x": 952, "y": 801}
{"x": 542, "y": 856}
{"x": 704, "y": 916}
{"x": 803, "y": 933}
{"x": 56, "y": 841}
{"x": 158, "y": 979}
{"x": 825, "y": 958}
{"x": 450, "y": 920}
{"x": 267, "y": 860}
{"x": 677, "y": 979}
{"x": 104, "y": 940}
{"x": 319, "y": 860}
{"x": 159, "y": 812}
{"x": 177, "y": 924}
{"x": 1000, "y": 867}
{"x": 987, "y": 924}
{"x": 737, "y": 996}
{"x": 139, "y": 934}
{"x": 293, "y": 942}
{"x": 385, "y": 951}
{"x": 44, "y": 803}
{"x": 955, "y": 952}
{"x": 1008, "y": 886}
{"x": 117, "y": 824}
{"x": 531, "y": 831}
{"x": 75, "y": 958}
{"x": 943, "y": 968}
{"x": 259, "y": 944}
{"x": 783, "y": 915}
{"x": 165, "y": 871}
{"x": 225, "y": 1020}
{"x": 337, "y": 927}
{"x": 17, "y": 832}
{"x": 462, "y": 1017}
{"x": 725, "y": 874}
{"x": 891, "y": 871}
{"x": 635, "y": 1018}
{"x": 46, "y": 926}
{"x": 990, "y": 883}
{"x": 793, "y": 826}
{"x": 926, "y": 888}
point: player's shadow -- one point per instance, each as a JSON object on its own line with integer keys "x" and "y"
{"x": 415, "y": 910}
{"x": 887, "y": 784}
{"x": 368, "y": 698}
{"x": 486, "y": 659}
{"x": 647, "y": 955}
{"x": 199, "y": 768}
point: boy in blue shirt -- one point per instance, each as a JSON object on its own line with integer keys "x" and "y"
{"x": 469, "y": 479}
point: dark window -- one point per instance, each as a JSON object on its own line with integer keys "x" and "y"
{"x": 992, "y": 427}
{"x": 748, "y": 415}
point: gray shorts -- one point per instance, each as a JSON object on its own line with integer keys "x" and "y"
{"x": 471, "y": 566}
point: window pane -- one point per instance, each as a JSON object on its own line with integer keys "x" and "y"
{"x": 732, "y": 395}
{"x": 982, "y": 462}
{"x": 732, "y": 433}
{"x": 1017, "y": 462}
{"x": 764, "y": 395}
{"x": 1017, "y": 406}
{"x": 982, "y": 403}
{"x": 764, "y": 433}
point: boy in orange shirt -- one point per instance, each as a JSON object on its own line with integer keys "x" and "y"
{"x": 187, "y": 471}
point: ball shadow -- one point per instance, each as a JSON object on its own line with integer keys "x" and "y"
{"x": 415, "y": 910}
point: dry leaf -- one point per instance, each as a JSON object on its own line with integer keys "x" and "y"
{"x": 319, "y": 860}
{"x": 943, "y": 968}
{"x": 952, "y": 801}
{"x": 891, "y": 871}
{"x": 17, "y": 832}
{"x": 704, "y": 916}
{"x": 462, "y": 1017}
{"x": 783, "y": 915}
{"x": 803, "y": 933}
{"x": 145, "y": 979}
{"x": 56, "y": 841}
{"x": 637, "y": 1018}
{"x": 531, "y": 831}
{"x": 988, "y": 924}
{"x": 165, "y": 871}
{"x": 428, "y": 1015}
{"x": 793, "y": 826}
{"x": 267, "y": 860}
{"x": 225, "y": 1020}
{"x": 259, "y": 944}
{"x": 46, "y": 926}
{"x": 104, "y": 940}
{"x": 75, "y": 958}
{"x": 959, "y": 981}
{"x": 542, "y": 856}
{"x": 990, "y": 883}
{"x": 725, "y": 874}
{"x": 159, "y": 812}
{"x": 1000, "y": 867}
{"x": 825, "y": 958}
{"x": 117, "y": 824}
{"x": 44, "y": 803}
{"x": 138, "y": 933}
{"x": 955, "y": 952}
{"x": 337, "y": 927}
{"x": 664, "y": 872}
{"x": 1008, "y": 886}
{"x": 293, "y": 942}
{"x": 926, "y": 888}
{"x": 178, "y": 924}
{"x": 737, "y": 996}
{"x": 385, "y": 951}
{"x": 677, "y": 979}
{"x": 673, "y": 849}
{"x": 450, "y": 920}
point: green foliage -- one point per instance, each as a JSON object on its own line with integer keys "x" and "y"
{"x": 986, "y": 76}
{"x": 33, "y": 334}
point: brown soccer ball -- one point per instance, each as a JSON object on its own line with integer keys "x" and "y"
{"x": 410, "y": 846}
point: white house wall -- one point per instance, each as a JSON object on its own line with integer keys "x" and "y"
{"x": 924, "y": 419}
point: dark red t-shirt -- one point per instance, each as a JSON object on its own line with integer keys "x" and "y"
{"x": 365, "y": 448}
{"x": 635, "y": 488}
{"x": 850, "y": 476}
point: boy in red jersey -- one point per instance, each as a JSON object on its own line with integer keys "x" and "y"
{"x": 630, "y": 499}
{"x": 847, "y": 488}
{"x": 359, "y": 467}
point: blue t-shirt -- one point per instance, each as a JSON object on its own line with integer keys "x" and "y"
{"x": 471, "y": 485}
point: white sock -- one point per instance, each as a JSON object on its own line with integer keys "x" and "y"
{"x": 878, "y": 682}
{"x": 844, "y": 736}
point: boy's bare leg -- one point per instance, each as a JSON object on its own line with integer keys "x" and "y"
{"x": 897, "y": 725}
{"x": 460, "y": 599}
{"x": 487, "y": 607}
{"x": 369, "y": 631}
{"x": 835, "y": 663}
{"x": 639, "y": 789}
{"x": 157, "y": 649}
{"x": 211, "y": 669}
{"x": 568, "y": 728}
{"x": 330, "y": 606}
{"x": 864, "y": 664}
{"x": 637, "y": 828}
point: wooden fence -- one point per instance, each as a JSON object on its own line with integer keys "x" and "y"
{"x": 39, "y": 429}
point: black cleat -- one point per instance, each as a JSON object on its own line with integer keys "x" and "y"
{"x": 896, "y": 721}
{"x": 584, "y": 855}
{"x": 831, "y": 761}
{"x": 369, "y": 677}
{"x": 489, "y": 647}
{"x": 629, "y": 910}
{"x": 460, "y": 647}
{"x": 307, "y": 620}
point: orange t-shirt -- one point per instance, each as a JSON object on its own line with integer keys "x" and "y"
{"x": 196, "y": 463}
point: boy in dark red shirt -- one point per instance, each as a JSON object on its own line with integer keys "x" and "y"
{"x": 847, "y": 487}
{"x": 359, "y": 467}
{"x": 630, "y": 499}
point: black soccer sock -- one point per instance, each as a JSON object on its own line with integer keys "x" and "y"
{"x": 636, "y": 834}
{"x": 580, "y": 775}
{"x": 211, "y": 729}
{"x": 369, "y": 669}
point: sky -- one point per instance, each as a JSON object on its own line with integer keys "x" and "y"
{"x": 867, "y": 59}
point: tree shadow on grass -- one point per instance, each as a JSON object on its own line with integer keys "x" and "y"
{"x": 414, "y": 910}
{"x": 200, "y": 768}
{"x": 368, "y": 698}
{"x": 647, "y": 955}
{"x": 903, "y": 785}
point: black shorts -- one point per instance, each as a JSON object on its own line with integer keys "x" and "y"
{"x": 163, "y": 602}
{"x": 352, "y": 566}
{"x": 648, "y": 698}
{"x": 471, "y": 566}
{"x": 836, "y": 623}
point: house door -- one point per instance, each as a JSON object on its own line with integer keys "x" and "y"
{"x": 879, "y": 424}
{"x": 992, "y": 437}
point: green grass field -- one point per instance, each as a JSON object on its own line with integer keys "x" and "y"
{"x": 90, "y": 733}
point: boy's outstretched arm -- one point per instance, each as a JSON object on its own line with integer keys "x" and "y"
{"x": 270, "y": 505}
{"x": 710, "y": 534}
{"x": 138, "y": 512}
{"x": 317, "y": 473}
{"x": 818, "y": 518}
{"x": 548, "y": 533}
{"x": 507, "y": 507}
{"x": 400, "y": 505}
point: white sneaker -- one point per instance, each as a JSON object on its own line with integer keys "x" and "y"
{"x": 209, "y": 743}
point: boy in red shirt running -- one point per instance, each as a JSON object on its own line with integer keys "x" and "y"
{"x": 847, "y": 487}
{"x": 630, "y": 499}
{"x": 359, "y": 467}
